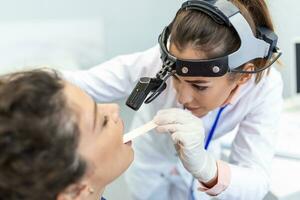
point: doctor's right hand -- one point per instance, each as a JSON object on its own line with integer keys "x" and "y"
{"x": 187, "y": 133}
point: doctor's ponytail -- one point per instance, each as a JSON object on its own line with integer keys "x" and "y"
{"x": 258, "y": 10}
{"x": 257, "y": 14}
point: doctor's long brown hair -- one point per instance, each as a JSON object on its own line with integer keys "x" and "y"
{"x": 195, "y": 28}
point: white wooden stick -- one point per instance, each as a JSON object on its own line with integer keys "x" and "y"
{"x": 139, "y": 131}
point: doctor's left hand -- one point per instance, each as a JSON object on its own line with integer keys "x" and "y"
{"x": 187, "y": 133}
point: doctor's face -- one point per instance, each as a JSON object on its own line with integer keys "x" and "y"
{"x": 101, "y": 139}
{"x": 201, "y": 94}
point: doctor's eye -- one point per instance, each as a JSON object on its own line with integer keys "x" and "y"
{"x": 199, "y": 88}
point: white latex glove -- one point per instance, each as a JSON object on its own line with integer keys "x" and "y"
{"x": 188, "y": 136}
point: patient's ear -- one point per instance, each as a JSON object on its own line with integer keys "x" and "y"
{"x": 73, "y": 192}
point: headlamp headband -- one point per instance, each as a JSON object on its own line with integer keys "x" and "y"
{"x": 223, "y": 12}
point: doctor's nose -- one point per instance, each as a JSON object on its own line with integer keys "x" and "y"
{"x": 184, "y": 94}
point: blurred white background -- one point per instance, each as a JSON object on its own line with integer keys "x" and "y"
{"x": 77, "y": 34}
{"x": 88, "y": 32}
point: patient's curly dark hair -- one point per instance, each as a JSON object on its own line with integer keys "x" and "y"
{"x": 38, "y": 137}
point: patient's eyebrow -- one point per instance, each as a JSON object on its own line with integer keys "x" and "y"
{"x": 95, "y": 115}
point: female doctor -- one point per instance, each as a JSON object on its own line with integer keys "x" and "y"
{"x": 218, "y": 54}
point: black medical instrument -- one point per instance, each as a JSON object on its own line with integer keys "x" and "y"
{"x": 263, "y": 45}
{"x": 146, "y": 85}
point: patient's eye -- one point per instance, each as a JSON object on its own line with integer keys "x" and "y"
{"x": 105, "y": 121}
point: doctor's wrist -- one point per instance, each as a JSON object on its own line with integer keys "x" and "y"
{"x": 207, "y": 171}
{"x": 211, "y": 183}
{"x": 223, "y": 179}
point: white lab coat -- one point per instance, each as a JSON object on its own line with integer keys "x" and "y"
{"x": 256, "y": 111}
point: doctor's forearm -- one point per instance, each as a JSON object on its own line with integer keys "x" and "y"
{"x": 236, "y": 183}
{"x": 246, "y": 184}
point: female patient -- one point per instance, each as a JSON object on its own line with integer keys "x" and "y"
{"x": 55, "y": 141}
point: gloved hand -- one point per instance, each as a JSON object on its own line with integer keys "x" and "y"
{"x": 187, "y": 133}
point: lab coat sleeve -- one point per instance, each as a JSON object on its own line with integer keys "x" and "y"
{"x": 115, "y": 79}
{"x": 254, "y": 146}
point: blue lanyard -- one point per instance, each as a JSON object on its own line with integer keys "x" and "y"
{"x": 208, "y": 140}
{"x": 213, "y": 128}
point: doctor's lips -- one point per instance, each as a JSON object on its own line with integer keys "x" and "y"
{"x": 191, "y": 108}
